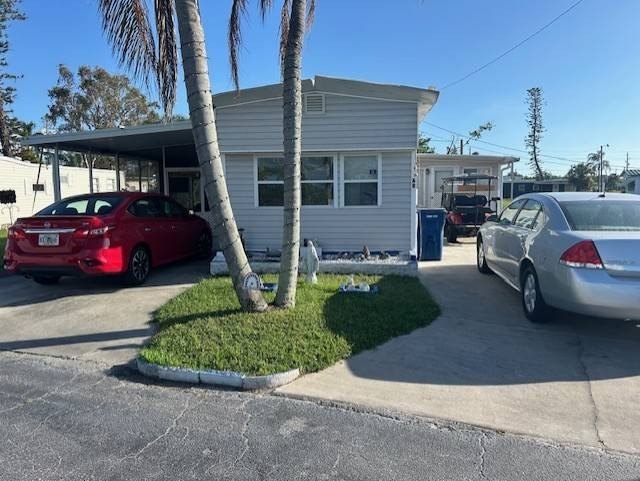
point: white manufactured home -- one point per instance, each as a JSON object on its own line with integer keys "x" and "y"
{"x": 33, "y": 185}
{"x": 359, "y": 142}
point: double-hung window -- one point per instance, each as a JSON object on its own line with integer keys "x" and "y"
{"x": 361, "y": 180}
{"x": 270, "y": 181}
{"x": 317, "y": 174}
{"x": 317, "y": 180}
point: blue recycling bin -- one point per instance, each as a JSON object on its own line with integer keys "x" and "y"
{"x": 431, "y": 233}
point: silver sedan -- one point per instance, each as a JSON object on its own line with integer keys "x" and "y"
{"x": 573, "y": 251}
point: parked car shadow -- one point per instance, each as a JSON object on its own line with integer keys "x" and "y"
{"x": 19, "y": 291}
{"x": 483, "y": 338}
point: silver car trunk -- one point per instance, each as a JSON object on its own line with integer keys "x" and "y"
{"x": 619, "y": 251}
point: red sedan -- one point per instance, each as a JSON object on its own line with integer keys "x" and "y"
{"x": 109, "y": 233}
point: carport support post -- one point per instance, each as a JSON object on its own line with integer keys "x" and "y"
{"x": 512, "y": 180}
{"x": 118, "y": 171}
{"x": 90, "y": 164}
{"x": 55, "y": 172}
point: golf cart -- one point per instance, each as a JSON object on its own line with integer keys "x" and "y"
{"x": 466, "y": 209}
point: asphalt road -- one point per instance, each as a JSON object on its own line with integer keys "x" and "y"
{"x": 63, "y": 419}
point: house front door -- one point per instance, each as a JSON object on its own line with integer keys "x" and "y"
{"x": 436, "y": 184}
{"x": 184, "y": 188}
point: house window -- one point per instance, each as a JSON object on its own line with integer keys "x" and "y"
{"x": 521, "y": 188}
{"x": 361, "y": 180}
{"x": 96, "y": 184}
{"x": 317, "y": 181}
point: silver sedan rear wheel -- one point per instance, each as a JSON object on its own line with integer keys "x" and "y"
{"x": 533, "y": 304}
{"x": 481, "y": 259}
{"x": 530, "y": 293}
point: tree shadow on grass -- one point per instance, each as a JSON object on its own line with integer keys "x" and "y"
{"x": 187, "y": 318}
{"x": 368, "y": 320}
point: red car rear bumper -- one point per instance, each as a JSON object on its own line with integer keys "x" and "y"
{"x": 84, "y": 262}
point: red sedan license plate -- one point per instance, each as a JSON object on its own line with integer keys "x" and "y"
{"x": 49, "y": 240}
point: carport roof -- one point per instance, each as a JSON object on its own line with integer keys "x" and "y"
{"x": 127, "y": 139}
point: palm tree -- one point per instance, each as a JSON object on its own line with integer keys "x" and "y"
{"x": 127, "y": 26}
{"x": 593, "y": 162}
{"x": 292, "y": 30}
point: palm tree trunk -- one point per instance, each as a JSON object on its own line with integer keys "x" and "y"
{"x": 292, "y": 132}
{"x": 196, "y": 77}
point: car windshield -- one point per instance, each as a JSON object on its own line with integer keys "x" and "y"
{"x": 602, "y": 215}
{"x": 87, "y": 205}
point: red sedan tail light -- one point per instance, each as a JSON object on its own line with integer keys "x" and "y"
{"x": 583, "y": 255}
{"x": 16, "y": 233}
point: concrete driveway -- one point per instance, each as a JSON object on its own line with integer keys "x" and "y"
{"x": 94, "y": 319}
{"x": 574, "y": 380}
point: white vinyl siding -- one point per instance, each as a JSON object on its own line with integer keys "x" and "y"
{"x": 387, "y": 227}
{"x": 348, "y": 123}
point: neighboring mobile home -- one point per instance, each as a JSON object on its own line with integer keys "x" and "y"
{"x": 631, "y": 180}
{"x": 433, "y": 168}
{"x": 526, "y": 186}
{"x": 33, "y": 185}
{"x": 359, "y": 142}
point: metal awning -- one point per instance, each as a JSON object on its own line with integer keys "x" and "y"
{"x": 466, "y": 177}
{"x": 143, "y": 140}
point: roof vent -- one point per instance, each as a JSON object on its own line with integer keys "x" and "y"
{"x": 314, "y": 103}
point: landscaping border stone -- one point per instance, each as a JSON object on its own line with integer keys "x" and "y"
{"x": 216, "y": 378}
{"x": 403, "y": 268}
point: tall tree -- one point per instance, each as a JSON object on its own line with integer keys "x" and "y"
{"x": 295, "y": 16}
{"x": 536, "y": 129}
{"x": 95, "y": 99}
{"x": 8, "y": 13}
{"x": 127, "y": 25}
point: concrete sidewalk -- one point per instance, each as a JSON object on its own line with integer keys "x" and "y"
{"x": 573, "y": 380}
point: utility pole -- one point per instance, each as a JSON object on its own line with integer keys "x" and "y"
{"x": 626, "y": 165}
{"x": 600, "y": 175}
{"x": 461, "y": 147}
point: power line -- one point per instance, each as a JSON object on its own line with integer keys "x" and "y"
{"x": 522, "y": 151}
{"x": 505, "y": 147}
{"x": 507, "y": 52}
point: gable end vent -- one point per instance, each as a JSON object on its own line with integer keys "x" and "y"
{"x": 314, "y": 104}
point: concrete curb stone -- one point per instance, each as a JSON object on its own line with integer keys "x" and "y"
{"x": 216, "y": 378}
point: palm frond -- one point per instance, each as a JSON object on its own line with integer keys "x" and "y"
{"x": 127, "y": 27}
{"x": 311, "y": 13}
{"x": 167, "y": 64}
{"x": 264, "y": 6}
{"x": 238, "y": 10}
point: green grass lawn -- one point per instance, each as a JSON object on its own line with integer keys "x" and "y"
{"x": 203, "y": 327}
{"x": 3, "y": 240}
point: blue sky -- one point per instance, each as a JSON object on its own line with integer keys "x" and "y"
{"x": 588, "y": 63}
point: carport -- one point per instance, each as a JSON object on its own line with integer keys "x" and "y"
{"x": 148, "y": 158}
